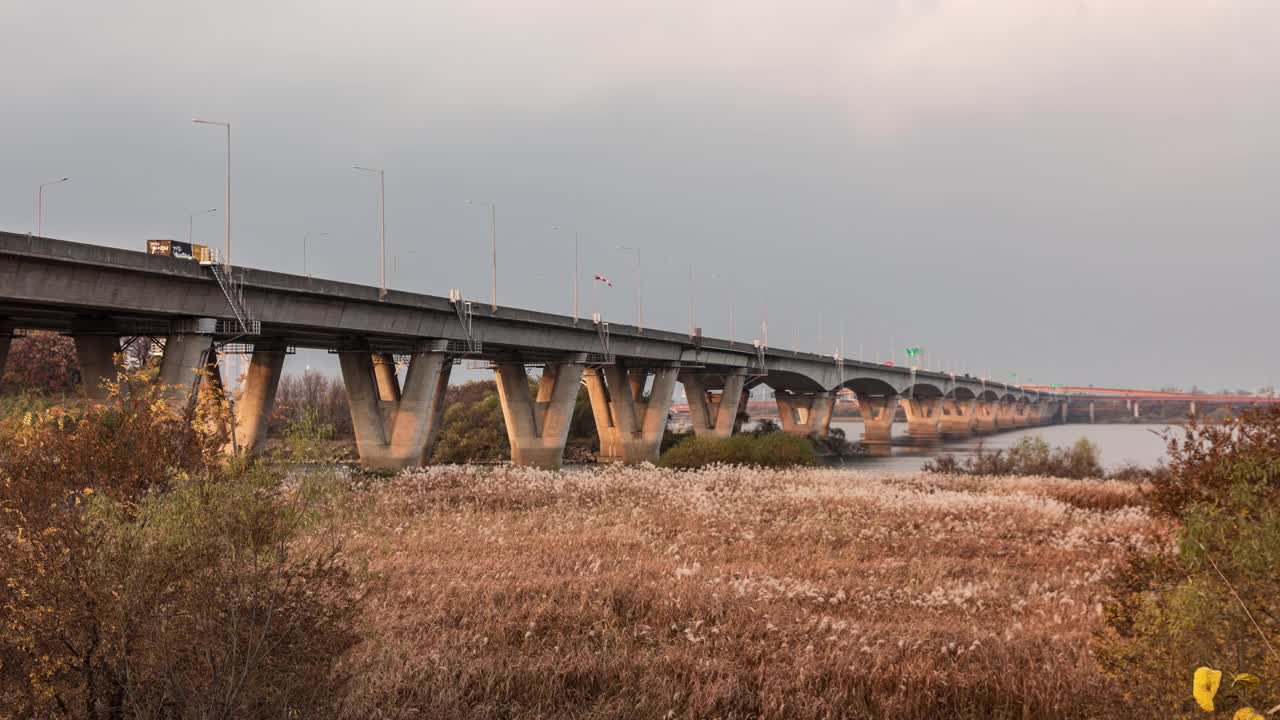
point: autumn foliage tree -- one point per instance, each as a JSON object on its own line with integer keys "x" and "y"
{"x": 42, "y": 362}
{"x": 143, "y": 576}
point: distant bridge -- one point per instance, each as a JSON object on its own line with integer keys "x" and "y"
{"x": 99, "y": 295}
{"x": 1133, "y": 399}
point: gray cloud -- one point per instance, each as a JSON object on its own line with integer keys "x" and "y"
{"x": 1075, "y": 191}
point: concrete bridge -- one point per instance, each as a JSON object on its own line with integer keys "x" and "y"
{"x": 99, "y": 295}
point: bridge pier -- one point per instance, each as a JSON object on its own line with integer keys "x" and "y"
{"x": 188, "y": 352}
{"x": 97, "y": 344}
{"x": 984, "y": 416}
{"x": 714, "y": 415}
{"x": 258, "y": 398}
{"x": 6, "y": 339}
{"x": 806, "y": 414}
{"x": 923, "y": 416}
{"x": 1091, "y": 416}
{"x": 1005, "y": 419}
{"x": 1137, "y": 409}
{"x": 958, "y": 416}
{"x": 630, "y": 425}
{"x": 394, "y": 430}
{"x": 878, "y": 412}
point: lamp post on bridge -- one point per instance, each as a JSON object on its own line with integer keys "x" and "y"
{"x": 305, "y": 270}
{"x": 191, "y": 221}
{"x": 577, "y": 270}
{"x": 40, "y": 204}
{"x": 227, "y": 259}
{"x": 493, "y": 239}
{"x": 382, "y": 222}
{"x": 639, "y": 304}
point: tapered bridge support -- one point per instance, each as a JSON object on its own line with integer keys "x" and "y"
{"x": 258, "y": 398}
{"x": 1005, "y": 419}
{"x": 958, "y": 416}
{"x": 188, "y": 354}
{"x": 631, "y": 425}
{"x": 97, "y": 344}
{"x": 878, "y": 413}
{"x": 984, "y": 416}
{"x": 1022, "y": 415}
{"x": 538, "y": 428}
{"x": 923, "y": 416}
{"x": 806, "y": 414}
{"x": 394, "y": 428}
{"x": 6, "y": 339}
{"x": 712, "y": 414}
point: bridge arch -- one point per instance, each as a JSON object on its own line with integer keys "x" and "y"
{"x": 868, "y": 386}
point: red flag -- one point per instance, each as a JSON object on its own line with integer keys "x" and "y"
{"x": 604, "y": 280}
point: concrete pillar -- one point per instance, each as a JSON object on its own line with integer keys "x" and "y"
{"x": 96, "y": 354}
{"x": 923, "y": 416}
{"x": 807, "y": 414}
{"x": 538, "y": 428}
{"x": 258, "y": 398}
{"x": 714, "y": 415}
{"x": 1005, "y": 418}
{"x": 400, "y": 433}
{"x": 629, "y": 425}
{"x": 984, "y": 416}
{"x": 1192, "y": 412}
{"x": 877, "y": 414}
{"x": 1020, "y": 415}
{"x": 186, "y": 356}
{"x": 958, "y": 416}
{"x": 1065, "y": 407}
{"x": 1091, "y": 419}
{"x": 1137, "y": 409}
{"x": 6, "y": 339}
{"x": 384, "y": 375}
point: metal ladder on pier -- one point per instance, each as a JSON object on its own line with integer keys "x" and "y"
{"x": 233, "y": 290}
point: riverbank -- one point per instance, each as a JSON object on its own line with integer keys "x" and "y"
{"x": 729, "y": 592}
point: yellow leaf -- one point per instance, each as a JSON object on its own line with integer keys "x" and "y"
{"x": 1248, "y": 680}
{"x": 1205, "y": 687}
{"x": 1247, "y": 713}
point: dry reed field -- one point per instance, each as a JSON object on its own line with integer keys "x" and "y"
{"x": 735, "y": 593}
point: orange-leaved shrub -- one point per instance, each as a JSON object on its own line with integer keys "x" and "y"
{"x": 144, "y": 576}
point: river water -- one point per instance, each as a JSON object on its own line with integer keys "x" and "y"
{"x": 1117, "y": 444}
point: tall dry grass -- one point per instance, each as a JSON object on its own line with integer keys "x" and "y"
{"x": 735, "y": 593}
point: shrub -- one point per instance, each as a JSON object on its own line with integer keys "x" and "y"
{"x": 1214, "y": 598}
{"x": 307, "y": 439}
{"x": 1030, "y": 456}
{"x": 774, "y": 450}
{"x": 473, "y": 429}
{"x": 144, "y": 578}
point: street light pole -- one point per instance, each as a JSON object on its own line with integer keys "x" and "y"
{"x": 690, "y": 299}
{"x": 577, "y": 271}
{"x": 305, "y": 271}
{"x": 191, "y": 221}
{"x": 382, "y": 223}
{"x": 493, "y": 241}
{"x": 639, "y": 302}
{"x": 227, "y": 259}
{"x": 40, "y": 204}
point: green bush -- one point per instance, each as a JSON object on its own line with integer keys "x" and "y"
{"x": 1030, "y": 456}
{"x": 1214, "y": 599}
{"x": 772, "y": 450}
{"x": 308, "y": 439}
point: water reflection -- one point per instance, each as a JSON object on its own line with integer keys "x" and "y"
{"x": 1118, "y": 445}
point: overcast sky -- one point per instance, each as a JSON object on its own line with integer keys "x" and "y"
{"x": 1079, "y": 191}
